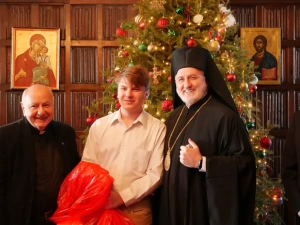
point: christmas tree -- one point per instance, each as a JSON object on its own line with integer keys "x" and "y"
{"x": 149, "y": 39}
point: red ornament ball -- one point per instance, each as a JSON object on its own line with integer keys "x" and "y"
{"x": 191, "y": 42}
{"x": 231, "y": 77}
{"x": 265, "y": 142}
{"x": 167, "y": 105}
{"x": 162, "y": 23}
{"x": 118, "y": 105}
{"x": 124, "y": 54}
{"x": 142, "y": 25}
{"x": 169, "y": 79}
{"x": 253, "y": 88}
{"x": 277, "y": 191}
{"x": 120, "y": 32}
{"x": 90, "y": 120}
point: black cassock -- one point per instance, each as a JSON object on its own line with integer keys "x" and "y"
{"x": 225, "y": 193}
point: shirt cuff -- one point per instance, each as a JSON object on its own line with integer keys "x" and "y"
{"x": 203, "y": 168}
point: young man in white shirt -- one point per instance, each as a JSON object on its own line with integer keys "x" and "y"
{"x": 129, "y": 144}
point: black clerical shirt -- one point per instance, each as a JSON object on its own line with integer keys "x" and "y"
{"x": 49, "y": 176}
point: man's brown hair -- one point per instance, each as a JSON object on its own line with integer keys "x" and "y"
{"x": 136, "y": 75}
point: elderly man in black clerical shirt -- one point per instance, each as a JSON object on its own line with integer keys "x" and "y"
{"x": 209, "y": 166}
{"x": 36, "y": 154}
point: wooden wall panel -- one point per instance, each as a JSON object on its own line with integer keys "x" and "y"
{"x": 52, "y": 16}
{"x": 113, "y": 16}
{"x": 275, "y": 103}
{"x": 297, "y": 22}
{"x": 84, "y": 22}
{"x": 59, "y": 106}
{"x": 18, "y": 16}
{"x": 79, "y": 100}
{"x": 275, "y": 16}
{"x": 88, "y": 43}
{"x": 14, "y": 111}
{"x": 275, "y": 163}
{"x": 62, "y": 66}
{"x": 108, "y": 57}
{"x": 296, "y": 63}
{"x": 84, "y": 65}
{"x": 297, "y": 100}
{"x": 245, "y": 15}
{"x": 7, "y": 62}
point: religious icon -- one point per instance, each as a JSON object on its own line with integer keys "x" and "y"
{"x": 35, "y": 57}
{"x": 263, "y": 45}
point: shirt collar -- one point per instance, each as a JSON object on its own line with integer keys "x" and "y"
{"x": 142, "y": 118}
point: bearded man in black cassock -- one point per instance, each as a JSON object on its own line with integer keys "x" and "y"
{"x": 209, "y": 166}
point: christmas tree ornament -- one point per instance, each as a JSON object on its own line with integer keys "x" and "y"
{"x": 120, "y": 32}
{"x": 124, "y": 54}
{"x": 138, "y": 18}
{"x": 250, "y": 125}
{"x": 170, "y": 79}
{"x": 187, "y": 12}
{"x": 90, "y": 120}
{"x": 155, "y": 75}
{"x": 229, "y": 19}
{"x": 277, "y": 201}
{"x": 277, "y": 191}
{"x": 143, "y": 47}
{"x": 151, "y": 47}
{"x": 265, "y": 142}
{"x": 253, "y": 88}
{"x": 167, "y": 105}
{"x": 137, "y": 42}
{"x": 224, "y": 55}
{"x": 213, "y": 46}
{"x": 181, "y": 23}
{"x": 162, "y": 23}
{"x": 261, "y": 154}
{"x": 171, "y": 33}
{"x": 131, "y": 63}
{"x": 191, "y": 42}
{"x": 142, "y": 25}
{"x": 198, "y": 18}
{"x": 253, "y": 80}
{"x": 244, "y": 86}
{"x": 231, "y": 77}
{"x": 179, "y": 10}
{"x": 118, "y": 105}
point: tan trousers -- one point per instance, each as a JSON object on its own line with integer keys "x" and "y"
{"x": 140, "y": 212}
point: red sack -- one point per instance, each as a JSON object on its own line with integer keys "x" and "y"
{"x": 83, "y": 195}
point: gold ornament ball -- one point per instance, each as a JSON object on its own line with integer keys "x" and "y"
{"x": 214, "y": 46}
{"x": 224, "y": 55}
{"x": 244, "y": 86}
{"x": 138, "y": 18}
{"x": 137, "y": 42}
{"x": 151, "y": 47}
{"x": 198, "y": 18}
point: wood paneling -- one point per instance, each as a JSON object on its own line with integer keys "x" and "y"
{"x": 88, "y": 43}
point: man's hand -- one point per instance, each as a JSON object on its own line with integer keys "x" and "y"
{"x": 114, "y": 200}
{"x": 190, "y": 154}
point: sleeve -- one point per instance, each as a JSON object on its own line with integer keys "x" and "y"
{"x": 290, "y": 165}
{"x": 231, "y": 175}
{"x": 144, "y": 186}
{"x": 89, "y": 152}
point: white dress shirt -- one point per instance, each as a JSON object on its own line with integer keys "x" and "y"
{"x": 133, "y": 155}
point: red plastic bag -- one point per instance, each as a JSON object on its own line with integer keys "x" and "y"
{"x": 83, "y": 195}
